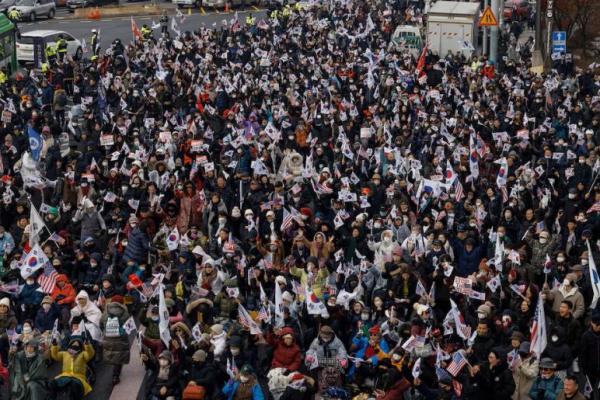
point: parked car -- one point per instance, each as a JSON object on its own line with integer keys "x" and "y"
{"x": 516, "y": 10}
{"x": 73, "y": 4}
{"x": 25, "y": 44}
{"x": 32, "y": 9}
{"x": 6, "y": 4}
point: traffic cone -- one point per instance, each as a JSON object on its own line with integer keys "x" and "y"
{"x": 227, "y": 7}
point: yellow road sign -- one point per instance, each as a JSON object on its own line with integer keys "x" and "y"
{"x": 488, "y": 18}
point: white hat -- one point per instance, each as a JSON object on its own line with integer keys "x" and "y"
{"x": 287, "y": 296}
{"x": 5, "y": 302}
{"x": 248, "y": 212}
{"x": 197, "y": 251}
{"x": 270, "y": 213}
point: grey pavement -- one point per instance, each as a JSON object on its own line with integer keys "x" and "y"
{"x": 120, "y": 27}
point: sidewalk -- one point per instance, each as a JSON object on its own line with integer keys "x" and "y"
{"x": 132, "y": 377}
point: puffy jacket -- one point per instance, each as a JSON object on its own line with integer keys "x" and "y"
{"x": 557, "y": 295}
{"x": 288, "y": 357}
{"x": 30, "y": 294}
{"x": 137, "y": 246}
{"x": 494, "y": 383}
{"x": 66, "y": 295}
{"x": 589, "y": 355}
{"x": 524, "y": 376}
{"x": 467, "y": 262}
{"x": 74, "y": 367}
{"x": 546, "y": 389}
{"x": 232, "y": 386}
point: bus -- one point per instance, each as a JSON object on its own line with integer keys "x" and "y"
{"x": 8, "y": 54}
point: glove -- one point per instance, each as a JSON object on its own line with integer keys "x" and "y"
{"x": 309, "y": 359}
{"x": 343, "y": 362}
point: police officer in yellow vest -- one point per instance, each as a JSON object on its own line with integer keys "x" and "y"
{"x": 50, "y": 54}
{"x": 61, "y": 47}
{"x": 3, "y": 76}
{"x": 15, "y": 16}
{"x": 298, "y": 7}
{"x": 250, "y": 20}
{"x": 146, "y": 32}
{"x": 274, "y": 14}
{"x": 287, "y": 11}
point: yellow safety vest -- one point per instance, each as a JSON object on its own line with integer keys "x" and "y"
{"x": 2, "y": 77}
{"x": 250, "y": 20}
{"x": 50, "y": 51}
{"x": 287, "y": 11}
{"x": 274, "y": 14}
{"x": 298, "y": 7}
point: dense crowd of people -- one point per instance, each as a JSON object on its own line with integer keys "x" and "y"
{"x": 297, "y": 207}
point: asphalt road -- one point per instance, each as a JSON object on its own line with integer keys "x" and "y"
{"x": 120, "y": 27}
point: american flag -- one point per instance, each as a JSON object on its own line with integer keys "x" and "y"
{"x": 287, "y": 220}
{"x": 457, "y": 363}
{"x": 247, "y": 321}
{"x": 594, "y": 208}
{"x": 47, "y": 279}
{"x": 538, "y": 330}
{"x": 263, "y": 314}
{"x": 459, "y": 192}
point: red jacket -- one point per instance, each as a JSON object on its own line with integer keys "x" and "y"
{"x": 67, "y": 292}
{"x": 288, "y": 357}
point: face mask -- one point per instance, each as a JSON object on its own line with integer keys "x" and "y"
{"x": 46, "y": 306}
{"x": 364, "y": 317}
{"x": 163, "y": 362}
{"x": 396, "y": 357}
{"x": 571, "y": 196}
{"x": 93, "y": 265}
{"x": 30, "y": 281}
{"x": 26, "y": 329}
{"x": 377, "y": 225}
{"x": 560, "y": 259}
{"x": 244, "y": 379}
{"x": 543, "y": 240}
{"x": 222, "y": 221}
{"x": 124, "y": 189}
{"x": 29, "y": 355}
{"x": 584, "y": 262}
{"x": 387, "y": 239}
{"x": 566, "y": 282}
{"x": 155, "y": 319}
{"x": 554, "y": 338}
{"x": 481, "y": 315}
{"x": 235, "y": 352}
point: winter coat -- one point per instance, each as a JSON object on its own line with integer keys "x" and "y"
{"x": 524, "y": 376}
{"x": 494, "y": 383}
{"x": 467, "y": 262}
{"x": 549, "y": 387}
{"x": 90, "y": 313}
{"x": 37, "y": 376}
{"x": 288, "y": 357}
{"x": 137, "y": 246}
{"x": 64, "y": 296}
{"x": 44, "y": 321}
{"x": 318, "y": 284}
{"x": 92, "y": 224}
{"x": 30, "y": 295}
{"x": 115, "y": 348}
{"x": 7, "y": 321}
{"x": 589, "y": 354}
{"x": 205, "y": 375}
{"x": 74, "y": 367}
{"x": 333, "y": 349}
{"x": 231, "y": 387}
{"x": 155, "y": 383}
{"x": 557, "y": 295}
{"x": 578, "y": 396}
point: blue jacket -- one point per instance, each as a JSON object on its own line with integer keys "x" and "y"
{"x": 467, "y": 263}
{"x": 550, "y": 387}
{"x": 30, "y": 294}
{"x": 231, "y": 387}
{"x": 137, "y": 246}
{"x": 44, "y": 321}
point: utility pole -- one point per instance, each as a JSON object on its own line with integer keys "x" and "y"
{"x": 494, "y": 35}
{"x": 485, "y": 32}
{"x": 549, "y": 19}
{"x": 538, "y": 25}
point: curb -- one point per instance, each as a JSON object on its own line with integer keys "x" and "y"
{"x": 122, "y": 11}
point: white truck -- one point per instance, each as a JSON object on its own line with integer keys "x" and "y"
{"x": 453, "y": 26}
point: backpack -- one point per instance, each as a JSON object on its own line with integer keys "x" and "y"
{"x": 62, "y": 99}
{"x": 113, "y": 328}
